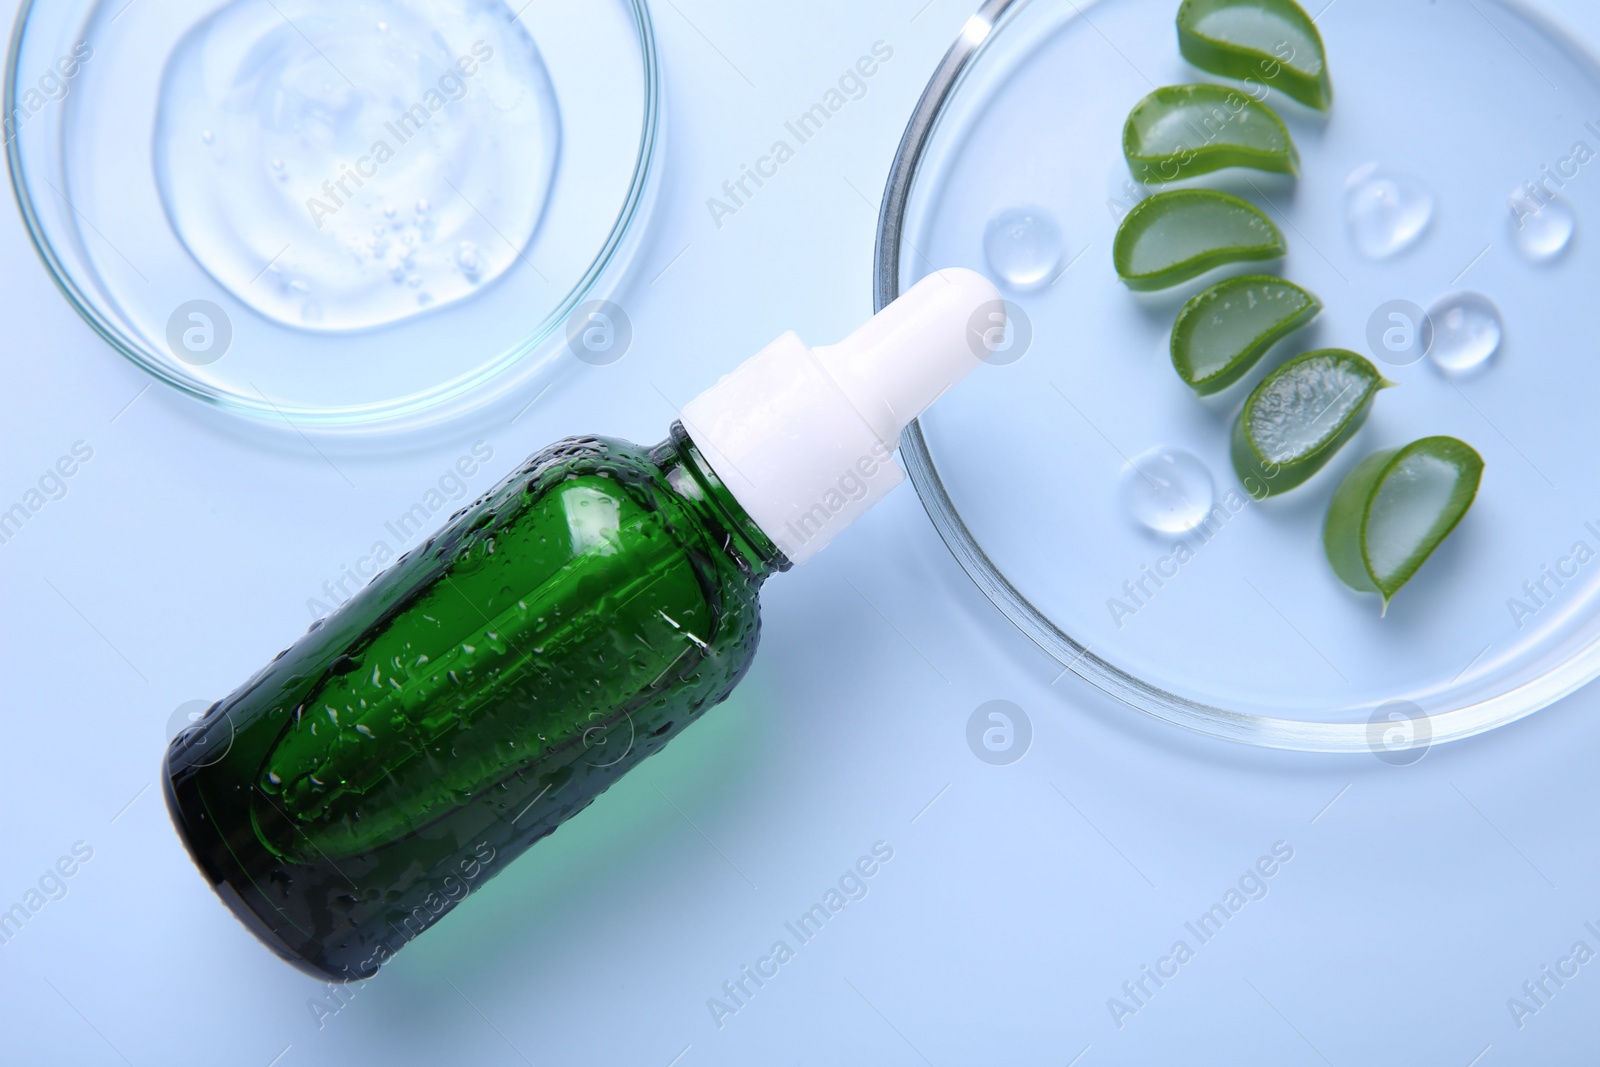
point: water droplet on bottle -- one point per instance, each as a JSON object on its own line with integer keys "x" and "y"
{"x": 1167, "y": 490}
{"x": 1546, "y": 233}
{"x": 1387, "y": 212}
{"x": 207, "y": 136}
{"x": 1463, "y": 331}
{"x": 1023, "y": 247}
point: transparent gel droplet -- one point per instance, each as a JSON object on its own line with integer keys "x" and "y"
{"x": 1462, "y": 332}
{"x": 1023, "y": 247}
{"x": 1167, "y": 490}
{"x": 468, "y": 260}
{"x": 1387, "y": 212}
{"x": 1542, "y": 231}
{"x": 288, "y": 130}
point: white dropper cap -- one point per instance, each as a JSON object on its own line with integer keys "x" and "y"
{"x": 804, "y": 438}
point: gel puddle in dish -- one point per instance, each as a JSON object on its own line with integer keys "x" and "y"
{"x": 349, "y": 166}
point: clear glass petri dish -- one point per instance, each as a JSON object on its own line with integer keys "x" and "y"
{"x": 1445, "y": 118}
{"x": 353, "y": 216}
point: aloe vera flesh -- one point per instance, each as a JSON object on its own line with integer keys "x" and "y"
{"x": 1396, "y": 508}
{"x": 1173, "y": 237}
{"x": 1222, "y": 333}
{"x": 1183, "y": 131}
{"x": 1300, "y": 416}
{"x": 1271, "y": 43}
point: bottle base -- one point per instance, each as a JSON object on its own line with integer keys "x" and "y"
{"x": 205, "y": 846}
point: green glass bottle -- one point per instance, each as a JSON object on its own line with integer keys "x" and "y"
{"x": 490, "y": 684}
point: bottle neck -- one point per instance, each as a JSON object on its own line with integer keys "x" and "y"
{"x": 692, "y": 478}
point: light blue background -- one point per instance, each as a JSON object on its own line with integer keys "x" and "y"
{"x": 1019, "y": 898}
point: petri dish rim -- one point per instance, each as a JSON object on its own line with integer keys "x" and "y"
{"x": 977, "y": 36}
{"x": 445, "y": 401}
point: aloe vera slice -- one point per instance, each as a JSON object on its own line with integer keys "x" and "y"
{"x": 1269, "y": 42}
{"x": 1299, "y": 417}
{"x": 1183, "y": 131}
{"x": 1224, "y": 331}
{"x": 1395, "y": 508}
{"x": 1171, "y": 237}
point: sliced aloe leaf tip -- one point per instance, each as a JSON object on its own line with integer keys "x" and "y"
{"x": 1173, "y": 237}
{"x": 1300, "y": 416}
{"x": 1182, "y": 131}
{"x": 1272, "y": 43}
{"x": 1396, "y": 508}
{"x": 1222, "y": 333}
